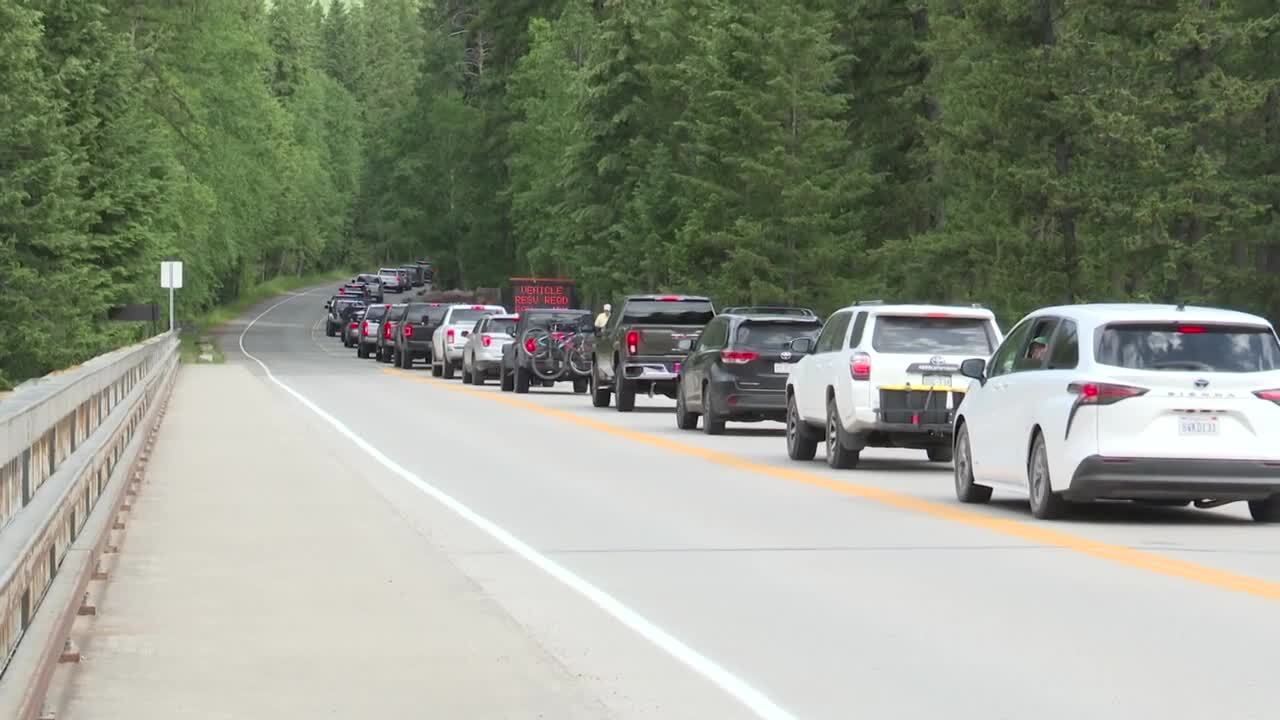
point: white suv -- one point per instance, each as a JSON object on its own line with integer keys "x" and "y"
{"x": 882, "y": 376}
{"x": 450, "y": 339}
{"x": 1152, "y": 403}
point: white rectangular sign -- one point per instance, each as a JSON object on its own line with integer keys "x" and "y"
{"x": 171, "y": 274}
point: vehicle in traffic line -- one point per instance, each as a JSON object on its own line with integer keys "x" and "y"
{"x": 373, "y": 283}
{"x": 641, "y": 348}
{"x": 351, "y": 333}
{"x": 1161, "y": 404}
{"x": 482, "y": 355}
{"x": 388, "y": 332}
{"x": 739, "y": 366}
{"x": 371, "y": 330}
{"x": 552, "y": 345}
{"x": 415, "y": 274}
{"x": 392, "y": 279}
{"x": 428, "y": 271}
{"x": 449, "y": 339}
{"x": 883, "y": 376}
{"x": 340, "y": 309}
{"x": 412, "y": 339}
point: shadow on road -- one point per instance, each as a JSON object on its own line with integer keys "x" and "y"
{"x": 1122, "y": 512}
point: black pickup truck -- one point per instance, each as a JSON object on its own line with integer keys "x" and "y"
{"x": 642, "y": 346}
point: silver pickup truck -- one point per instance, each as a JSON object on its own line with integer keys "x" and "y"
{"x": 450, "y": 339}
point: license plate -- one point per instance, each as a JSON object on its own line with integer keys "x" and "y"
{"x": 1197, "y": 426}
{"x": 782, "y": 368}
{"x": 937, "y": 380}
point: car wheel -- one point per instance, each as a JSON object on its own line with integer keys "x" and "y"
{"x": 967, "y": 491}
{"x": 599, "y": 396}
{"x": 477, "y": 377}
{"x": 522, "y": 380}
{"x": 685, "y": 420}
{"x": 328, "y": 330}
{"x": 446, "y": 369}
{"x": 436, "y": 370}
{"x": 506, "y": 381}
{"x": 839, "y": 456}
{"x": 1045, "y": 504}
{"x": 626, "y": 401}
{"x": 1265, "y": 511}
{"x": 362, "y": 352}
{"x": 579, "y": 385}
{"x": 406, "y": 360}
{"x": 802, "y": 441}
{"x": 466, "y": 375}
{"x": 939, "y": 454}
{"x": 712, "y": 422}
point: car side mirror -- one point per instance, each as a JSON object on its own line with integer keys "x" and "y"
{"x": 802, "y": 345}
{"x": 975, "y": 368}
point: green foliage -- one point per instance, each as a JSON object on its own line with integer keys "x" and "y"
{"x": 131, "y": 131}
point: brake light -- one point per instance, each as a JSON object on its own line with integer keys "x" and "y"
{"x": 407, "y": 331}
{"x": 530, "y": 346}
{"x": 485, "y": 340}
{"x": 477, "y": 307}
{"x": 860, "y": 366}
{"x": 448, "y": 335}
{"x": 1272, "y": 395}
{"x": 1103, "y": 393}
{"x": 386, "y": 331}
{"x": 738, "y": 357}
{"x": 1190, "y": 329}
{"x": 669, "y": 298}
{"x": 352, "y": 326}
{"x": 364, "y": 329}
{"x": 633, "y": 341}
{"x": 937, "y": 315}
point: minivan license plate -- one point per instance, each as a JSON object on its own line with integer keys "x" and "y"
{"x": 1197, "y": 426}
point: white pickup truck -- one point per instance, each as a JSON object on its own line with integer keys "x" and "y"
{"x": 450, "y": 339}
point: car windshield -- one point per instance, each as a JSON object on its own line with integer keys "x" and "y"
{"x": 561, "y": 321}
{"x": 502, "y": 325}
{"x": 668, "y": 312}
{"x": 932, "y": 335}
{"x": 1186, "y": 346}
{"x": 774, "y": 335}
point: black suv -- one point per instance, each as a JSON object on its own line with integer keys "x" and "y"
{"x": 738, "y": 369}
{"x": 412, "y": 339}
{"x": 551, "y": 345}
{"x": 340, "y": 309}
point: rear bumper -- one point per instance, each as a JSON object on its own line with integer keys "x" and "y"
{"x": 651, "y": 368}
{"x": 730, "y": 400}
{"x": 1099, "y": 478}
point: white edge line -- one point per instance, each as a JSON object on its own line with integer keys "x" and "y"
{"x": 739, "y": 689}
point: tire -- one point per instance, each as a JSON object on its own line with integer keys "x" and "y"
{"x": 522, "y": 380}
{"x": 466, "y": 375}
{"x": 580, "y": 385}
{"x": 446, "y": 369}
{"x": 406, "y": 360}
{"x": 328, "y": 330}
{"x": 839, "y": 456}
{"x": 685, "y": 420}
{"x": 626, "y": 392}
{"x": 599, "y": 396}
{"x": 1265, "y": 511}
{"x": 506, "y": 381}
{"x": 1045, "y": 504}
{"x": 361, "y": 351}
{"x": 939, "y": 454}
{"x": 967, "y": 491}
{"x": 802, "y": 441}
{"x": 436, "y": 370}
{"x": 712, "y": 422}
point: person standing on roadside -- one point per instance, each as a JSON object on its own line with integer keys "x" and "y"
{"x": 603, "y": 318}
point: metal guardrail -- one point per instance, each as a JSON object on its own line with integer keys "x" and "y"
{"x": 61, "y": 440}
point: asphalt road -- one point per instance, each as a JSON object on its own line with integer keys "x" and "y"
{"x": 677, "y": 575}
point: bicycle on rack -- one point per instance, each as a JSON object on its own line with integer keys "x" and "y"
{"x": 557, "y": 351}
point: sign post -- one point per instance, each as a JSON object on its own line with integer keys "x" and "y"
{"x": 171, "y": 278}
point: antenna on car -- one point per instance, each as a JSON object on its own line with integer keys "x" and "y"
{"x": 1182, "y": 305}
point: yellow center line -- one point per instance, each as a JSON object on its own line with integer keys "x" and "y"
{"x": 1034, "y": 533}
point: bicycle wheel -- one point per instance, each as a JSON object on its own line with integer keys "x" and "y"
{"x": 540, "y": 346}
{"x": 579, "y": 355}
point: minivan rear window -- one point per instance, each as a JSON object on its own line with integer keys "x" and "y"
{"x": 774, "y": 335}
{"x": 1189, "y": 347}
{"x": 932, "y": 335}
{"x": 663, "y": 312}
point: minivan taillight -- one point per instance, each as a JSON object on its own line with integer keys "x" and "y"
{"x": 860, "y": 366}
{"x": 633, "y": 342}
{"x": 1103, "y": 393}
{"x": 1272, "y": 395}
{"x": 738, "y": 357}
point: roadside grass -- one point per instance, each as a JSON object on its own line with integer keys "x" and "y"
{"x": 197, "y": 339}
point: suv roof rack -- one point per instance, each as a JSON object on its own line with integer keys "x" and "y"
{"x": 868, "y": 302}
